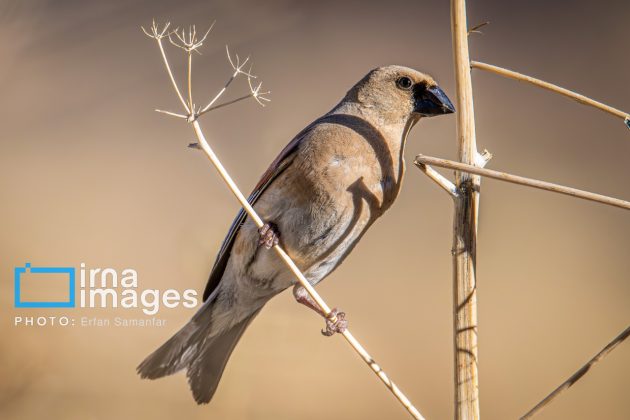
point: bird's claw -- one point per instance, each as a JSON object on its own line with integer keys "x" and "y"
{"x": 269, "y": 235}
{"x": 339, "y": 325}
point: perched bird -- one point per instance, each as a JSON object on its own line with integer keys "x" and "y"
{"x": 318, "y": 197}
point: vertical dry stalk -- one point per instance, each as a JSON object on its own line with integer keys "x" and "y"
{"x": 465, "y": 229}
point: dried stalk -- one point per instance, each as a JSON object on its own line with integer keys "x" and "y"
{"x": 231, "y": 102}
{"x": 423, "y": 161}
{"x": 238, "y": 69}
{"x": 191, "y": 44}
{"x": 158, "y": 35}
{"x": 545, "y": 85}
{"x": 579, "y": 374}
{"x": 190, "y": 100}
{"x": 465, "y": 230}
{"x": 438, "y": 178}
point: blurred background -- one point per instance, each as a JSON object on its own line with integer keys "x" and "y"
{"x": 89, "y": 173}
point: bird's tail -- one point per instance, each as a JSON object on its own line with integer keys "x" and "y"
{"x": 196, "y": 349}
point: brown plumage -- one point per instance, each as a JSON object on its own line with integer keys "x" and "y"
{"x": 320, "y": 195}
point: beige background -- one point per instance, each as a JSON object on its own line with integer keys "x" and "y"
{"x": 89, "y": 173}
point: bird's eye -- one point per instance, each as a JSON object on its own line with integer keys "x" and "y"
{"x": 404, "y": 83}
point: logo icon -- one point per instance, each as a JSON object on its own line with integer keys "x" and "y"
{"x": 67, "y": 273}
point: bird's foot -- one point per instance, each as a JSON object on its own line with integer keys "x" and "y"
{"x": 269, "y": 235}
{"x": 339, "y": 325}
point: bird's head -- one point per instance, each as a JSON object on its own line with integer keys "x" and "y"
{"x": 399, "y": 94}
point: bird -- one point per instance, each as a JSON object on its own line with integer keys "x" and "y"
{"x": 317, "y": 199}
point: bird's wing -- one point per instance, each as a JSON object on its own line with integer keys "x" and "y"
{"x": 283, "y": 160}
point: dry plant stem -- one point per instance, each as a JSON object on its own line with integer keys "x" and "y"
{"x": 209, "y": 107}
{"x": 190, "y": 100}
{"x": 422, "y": 161}
{"x": 300, "y": 277}
{"x": 579, "y": 374}
{"x": 170, "y": 75}
{"x": 545, "y": 85}
{"x": 233, "y": 101}
{"x": 172, "y": 114}
{"x": 237, "y": 70}
{"x": 464, "y": 230}
{"x": 439, "y": 179}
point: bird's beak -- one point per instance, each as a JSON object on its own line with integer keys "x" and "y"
{"x": 431, "y": 101}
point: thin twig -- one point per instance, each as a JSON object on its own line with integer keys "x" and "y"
{"x": 439, "y": 179}
{"x": 190, "y": 100}
{"x": 237, "y": 70}
{"x": 158, "y": 35}
{"x": 579, "y": 374}
{"x": 172, "y": 114}
{"x": 170, "y": 74}
{"x": 475, "y": 29}
{"x": 233, "y": 101}
{"x": 515, "y": 179}
{"x": 545, "y": 85}
{"x": 218, "y": 95}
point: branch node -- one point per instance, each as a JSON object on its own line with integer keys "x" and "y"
{"x": 481, "y": 159}
{"x": 475, "y": 29}
{"x": 515, "y": 179}
{"x": 256, "y": 93}
{"x": 436, "y": 177}
{"x": 155, "y": 32}
{"x": 238, "y": 66}
{"x": 188, "y": 40}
